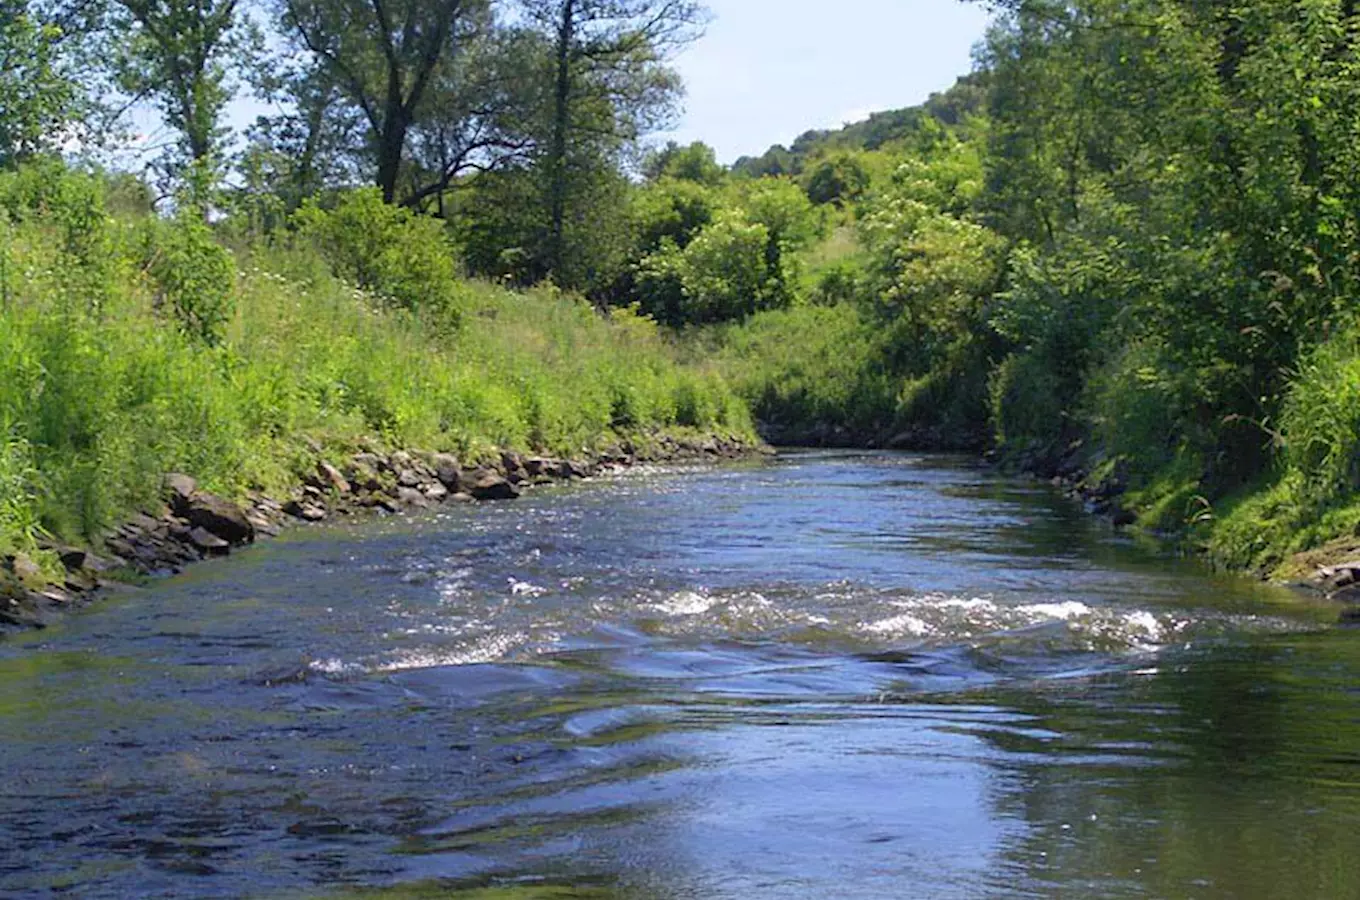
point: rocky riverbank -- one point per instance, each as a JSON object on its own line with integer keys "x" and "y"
{"x": 1330, "y": 572}
{"x": 192, "y": 524}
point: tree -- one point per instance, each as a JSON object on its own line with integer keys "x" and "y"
{"x": 697, "y": 163}
{"x": 48, "y": 95}
{"x": 393, "y": 60}
{"x": 610, "y": 86}
{"x": 179, "y": 51}
{"x": 35, "y": 97}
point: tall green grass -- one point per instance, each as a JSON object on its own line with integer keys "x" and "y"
{"x": 1314, "y": 495}
{"x": 808, "y": 371}
{"x": 106, "y": 384}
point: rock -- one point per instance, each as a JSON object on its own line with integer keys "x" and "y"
{"x": 364, "y": 478}
{"x": 220, "y": 517}
{"x": 401, "y": 459}
{"x": 179, "y": 487}
{"x": 301, "y": 509}
{"x": 407, "y": 478}
{"x": 208, "y": 542}
{"x": 262, "y": 525}
{"x": 436, "y": 492}
{"x": 81, "y": 581}
{"x": 27, "y": 571}
{"x": 1334, "y": 578}
{"x": 409, "y": 496}
{"x": 370, "y": 461}
{"x": 446, "y": 469}
{"x": 332, "y": 477}
{"x": 1123, "y": 518}
{"x": 55, "y": 595}
{"x": 1349, "y": 594}
{"x": 462, "y": 497}
{"x": 488, "y": 484}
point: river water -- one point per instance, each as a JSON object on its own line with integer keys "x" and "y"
{"x": 848, "y": 675}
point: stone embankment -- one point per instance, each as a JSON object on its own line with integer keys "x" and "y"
{"x": 193, "y": 524}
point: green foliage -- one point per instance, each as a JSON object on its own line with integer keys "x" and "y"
{"x": 718, "y": 265}
{"x": 194, "y": 274}
{"x": 1320, "y": 420}
{"x": 18, "y": 508}
{"x": 97, "y": 404}
{"x": 38, "y": 93}
{"x": 812, "y": 374}
{"x": 840, "y": 178}
{"x": 1027, "y": 403}
{"x": 697, "y": 164}
{"x": 405, "y": 259}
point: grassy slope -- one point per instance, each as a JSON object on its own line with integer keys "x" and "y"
{"x": 101, "y": 393}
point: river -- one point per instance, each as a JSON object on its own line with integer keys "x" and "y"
{"x": 851, "y": 675}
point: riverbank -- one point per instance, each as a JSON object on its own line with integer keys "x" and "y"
{"x": 191, "y": 524}
{"x": 132, "y": 346}
{"x": 1327, "y": 567}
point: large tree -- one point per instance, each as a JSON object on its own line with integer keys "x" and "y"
{"x": 393, "y": 60}
{"x": 180, "y": 53}
{"x": 50, "y": 85}
{"x": 611, "y": 85}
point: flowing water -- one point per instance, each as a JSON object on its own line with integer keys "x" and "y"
{"x": 830, "y": 675}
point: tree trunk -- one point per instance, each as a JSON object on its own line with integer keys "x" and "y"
{"x": 557, "y": 153}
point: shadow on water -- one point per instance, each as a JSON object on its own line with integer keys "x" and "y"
{"x": 858, "y": 675}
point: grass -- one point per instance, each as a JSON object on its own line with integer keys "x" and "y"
{"x": 103, "y": 387}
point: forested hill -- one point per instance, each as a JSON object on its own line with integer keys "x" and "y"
{"x": 951, "y": 109}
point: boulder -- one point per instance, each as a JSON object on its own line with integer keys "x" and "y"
{"x": 208, "y": 542}
{"x": 218, "y": 516}
{"x": 364, "y": 478}
{"x": 488, "y": 484}
{"x": 301, "y": 509}
{"x": 214, "y": 514}
{"x": 409, "y": 496}
{"x": 447, "y": 471}
{"x": 1335, "y": 578}
{"x": 179, "y": 488}
{"x": 436, "y": 492}
{"x": 331, "y": 476}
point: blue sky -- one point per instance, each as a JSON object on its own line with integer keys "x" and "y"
{"x": 768, "y": 70}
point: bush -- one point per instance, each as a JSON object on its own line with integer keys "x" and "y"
{"x": 194, "y": 274}
{"x": 1028, "y": 403}
{"x": 405, "y": 259}
{"x": 808, "y": 371}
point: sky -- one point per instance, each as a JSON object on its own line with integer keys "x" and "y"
{"x": 768, "y": 70}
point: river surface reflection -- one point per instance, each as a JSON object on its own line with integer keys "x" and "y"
{"x": 829, "y": 675}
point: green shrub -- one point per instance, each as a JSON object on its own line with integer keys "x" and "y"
{"x": 404, "y": 258}
{"x": 194, "y": 275}
{"x": 1320, "y": 420}
{"x": 1028, "y": 403}
{"x": 809, "y": 370}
